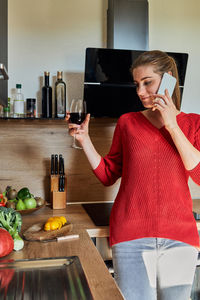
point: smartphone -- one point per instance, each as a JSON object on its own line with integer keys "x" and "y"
{"x": 168, "y": 82}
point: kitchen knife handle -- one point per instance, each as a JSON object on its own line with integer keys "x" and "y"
{"x": 56, "y": 164}
{"x": 60, "y": 163}
{"x": 63, "y": 167}
{"x": 52, "y": 164}
{"x": 68, "y": 237}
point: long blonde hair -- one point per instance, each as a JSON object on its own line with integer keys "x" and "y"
{"x": 162, "y": 63}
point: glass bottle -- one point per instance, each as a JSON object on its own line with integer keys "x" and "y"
{"x": 6, "y": 109}
{"x": 46, "y": 97}
{"x": 30, "y": 107}
{"x": 18, "y": 103}
{"x": 60, "y": 96}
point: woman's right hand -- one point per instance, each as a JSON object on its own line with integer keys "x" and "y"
{"x": 82, "y": 135}
{"x": 80, "y": 131}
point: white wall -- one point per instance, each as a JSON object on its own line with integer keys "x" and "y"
{"x": 175, "y": 26}
{"x": 51, "y": 35}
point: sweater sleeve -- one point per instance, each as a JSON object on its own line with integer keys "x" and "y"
{"x": 195, "y": 172}
{"x": 110, "y": 166}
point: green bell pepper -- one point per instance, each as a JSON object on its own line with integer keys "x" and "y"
{"x": 23, "y": 193}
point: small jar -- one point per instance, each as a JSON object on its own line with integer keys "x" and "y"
{"x": 31, "y": 108}
{"x": 18, "y": 102}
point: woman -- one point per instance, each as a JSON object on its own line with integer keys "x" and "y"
{"x": 153, "y": 233}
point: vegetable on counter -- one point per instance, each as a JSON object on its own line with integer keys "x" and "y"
{"x": 55, "y": 223}
{"x": 21, "y": 200}
{"x": 10, "y": 204}
{"x": 24, "y": 193}
{"x": 40, "y": 201}
{"x": 7, "y": 243}
{"x": 11, "y": 193}
{"x": 20, "y": 205}
{"x": 30, "y": 203}
{"x": 3, "y": 199}
{"x": 11, "y": 220}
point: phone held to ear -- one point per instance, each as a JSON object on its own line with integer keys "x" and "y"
{"x": 168, "y": 82}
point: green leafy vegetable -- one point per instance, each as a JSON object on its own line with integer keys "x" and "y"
{"x": 11, "y": 220}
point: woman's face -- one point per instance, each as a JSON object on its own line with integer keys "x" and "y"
{"x": 147, "y": 83}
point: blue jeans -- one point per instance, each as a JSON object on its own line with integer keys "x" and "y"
{"x": 154, "y": 268}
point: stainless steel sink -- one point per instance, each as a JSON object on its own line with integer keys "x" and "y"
{"x": 49, "y": 278}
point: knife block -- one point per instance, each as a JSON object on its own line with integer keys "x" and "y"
{"x": 58, "y": 199}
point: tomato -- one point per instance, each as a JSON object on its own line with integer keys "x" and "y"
{"x": 7, "y": 243}
{"x": 3, "y": 200}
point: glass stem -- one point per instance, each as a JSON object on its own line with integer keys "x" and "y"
{"x": 74, "y": 141}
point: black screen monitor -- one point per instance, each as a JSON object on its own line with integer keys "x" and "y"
{"x": 108, "y": 84}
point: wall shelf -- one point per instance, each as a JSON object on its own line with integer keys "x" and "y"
{"x": 28, "y": 118}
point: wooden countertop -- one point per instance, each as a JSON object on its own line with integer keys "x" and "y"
{"x": 100, "y": 281}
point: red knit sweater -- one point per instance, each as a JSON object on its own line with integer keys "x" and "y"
{"x": 154, "y": 198}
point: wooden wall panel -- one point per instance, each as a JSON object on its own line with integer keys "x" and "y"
{"x": 25, "y": 150}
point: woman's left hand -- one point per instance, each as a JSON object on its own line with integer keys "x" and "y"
{"x": 167, "y": 109}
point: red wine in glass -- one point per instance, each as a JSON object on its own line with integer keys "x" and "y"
{"x": 77, "y": 118}
{"x": 77, "y": 115}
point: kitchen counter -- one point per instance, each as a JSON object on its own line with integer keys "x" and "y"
{"x": 101, "y": 283}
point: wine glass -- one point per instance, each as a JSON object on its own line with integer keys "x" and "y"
{"x": 77, "y": 116}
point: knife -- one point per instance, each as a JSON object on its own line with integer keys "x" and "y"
{"x": 52, "y": 164}
{"x": 63, "y": 167}
{"x": 60, "y": 163}
{"x": 62, "y": 183}
{"x": 63, "y": 176}
{"x": 56, "y": 164}
{"x": 62, "y": 238}
{"x": 60, "y": 173}
{"x": 60, "y": 170}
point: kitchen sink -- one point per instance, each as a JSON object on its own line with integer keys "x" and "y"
{"x": 43, "y": 279}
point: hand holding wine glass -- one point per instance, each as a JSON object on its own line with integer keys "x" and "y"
{"x": 80, "y": 132}
{"x": 76, "y": 118}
